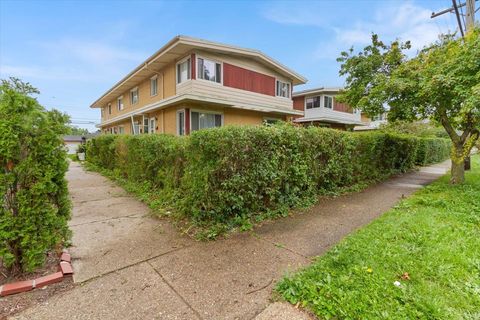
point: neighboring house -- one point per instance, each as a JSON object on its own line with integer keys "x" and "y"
{"x": 72, "y": 143}
{"x": 372, "y": 124}
{"x": 191, "y": 84}
{"x": 322, "y": 109}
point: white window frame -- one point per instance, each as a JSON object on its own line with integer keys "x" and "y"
{"x": 289, "y": 97}
{"x": 213, "y": 60}
{"x": 177, "y": 118}
{"x": 323, "y": 101}
{"x": 109, "y": 107}
{"x": 120, "y": 105}
{"x": 189, "y": 72}
{"x": 131, "y": 96}
{"x": 153, "y": 92}
{"x": 121, "y": 129}
{"x": 313, "y": 97}
{"x": 205, "y": 111}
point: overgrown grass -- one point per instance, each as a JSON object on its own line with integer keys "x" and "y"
{"x": 429, "y": 243}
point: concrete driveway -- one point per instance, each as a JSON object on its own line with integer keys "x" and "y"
{"x": 129, "y": 265}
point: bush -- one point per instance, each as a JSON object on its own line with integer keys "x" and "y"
{"x": 234, "y": 176}
{"x": 34, "y": 206}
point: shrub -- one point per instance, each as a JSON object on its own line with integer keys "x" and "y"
{"x": 235, "y": 176}
{"x": 34, "y": 206}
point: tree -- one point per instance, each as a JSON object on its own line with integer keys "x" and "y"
{"x": 441, "y": 83}
{"x": 34, "y": 202}
{"x": 77, "y": 131}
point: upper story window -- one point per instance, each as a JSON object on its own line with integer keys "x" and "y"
{"x": 134, "y": 96}
{"x": 328, "y": 102}
{"x": 103, "y": 112}
{"x": 183, "y": 71}
{"x": 283, "y": 89}
{"x": 120, "y": 103}
{"x": 154, "y": 86}
{"x": 209, "y": 70}
{"x": 312, "y": 102}
{"x": 109, "y": 108}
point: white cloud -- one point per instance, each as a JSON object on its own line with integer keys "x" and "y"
{"x": 91, "y": 51}
{"x": 391, "y": 20}
{"x": 75, "y": 60}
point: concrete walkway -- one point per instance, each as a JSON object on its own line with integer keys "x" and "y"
{"x": 131, "y": 266}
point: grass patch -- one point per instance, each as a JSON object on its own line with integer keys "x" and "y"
{"x": 429, "y": 243}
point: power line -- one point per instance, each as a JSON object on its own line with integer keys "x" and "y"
{"x": 468, "y": 22}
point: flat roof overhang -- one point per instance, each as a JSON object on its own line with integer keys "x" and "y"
{"x": 192, "y": 98}
{"x": 330, "y": 120}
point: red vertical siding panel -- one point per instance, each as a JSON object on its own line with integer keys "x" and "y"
{"x": 244, "y": 79}
{"x": 342, "y": 107}
{"x": 194, "y": 65}
{"x": 299, "y": 103}
{"x": 187, "y": 121}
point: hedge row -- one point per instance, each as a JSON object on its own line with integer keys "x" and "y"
{"x": 233, "y": 176}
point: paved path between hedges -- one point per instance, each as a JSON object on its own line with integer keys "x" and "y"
{"x": 129, "y": 265}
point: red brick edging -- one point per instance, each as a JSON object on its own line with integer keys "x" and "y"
{"x": 65, "y": 270}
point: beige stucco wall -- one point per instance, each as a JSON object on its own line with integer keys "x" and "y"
{"x": 166, "y": 119}
{"x": 166, "y": 88}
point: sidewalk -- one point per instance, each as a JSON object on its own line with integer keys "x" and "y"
{"x": 131, "y": 266}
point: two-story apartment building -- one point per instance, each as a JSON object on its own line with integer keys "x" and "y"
{"x": 321, "y": 108}
{"x": 190, "y": 84}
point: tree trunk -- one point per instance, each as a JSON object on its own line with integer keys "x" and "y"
{"x": 458, "y": 166}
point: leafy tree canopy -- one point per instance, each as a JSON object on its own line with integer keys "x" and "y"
{"x": 441, "y": 83}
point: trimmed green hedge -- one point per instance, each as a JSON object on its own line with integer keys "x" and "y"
{"x": 234, "y": 176}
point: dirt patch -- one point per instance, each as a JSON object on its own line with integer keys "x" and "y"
{"x": 10, "y": 305}
{"x": 13, "y": 304}
{"x": 52, "y": 262}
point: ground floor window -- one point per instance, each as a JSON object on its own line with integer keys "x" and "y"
{"x": 151, "y": 128}
{"x": 181, "y": 122}
{"x": 204, "y": 120}
{"x": 271, "y": 120}
{"x": 121, "y": 130}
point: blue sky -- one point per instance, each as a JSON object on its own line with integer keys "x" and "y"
{"x": 74, "y": 51}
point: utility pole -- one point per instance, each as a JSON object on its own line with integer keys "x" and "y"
{"x": 469, "y": 16}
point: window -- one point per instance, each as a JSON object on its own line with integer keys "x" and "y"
{"x": 151, "y": 128}
{"x": 203, "y": 120}
{"x": 121, "y": 130}
{"x": 103, "y": 112}
{"x": 209, "y": 70}
{"x": 313, "y": 102}
{"x": 283, "y": 89}
{"x": 270, "y": 121}
{"x": 328, "y": 102}
{"x": 154, "y": 86}
{"x": 120, "y": 103}
{"x": 183, "y": 71}
{"x": 109, "y": 108}
{"x": 134, "y": 96}
{"x": 379, "y": 117}
{"x": 145, "y": 125}
{"x": 181, "y": 122}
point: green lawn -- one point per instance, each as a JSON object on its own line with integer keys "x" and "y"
{"x": 433, "y": 236}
